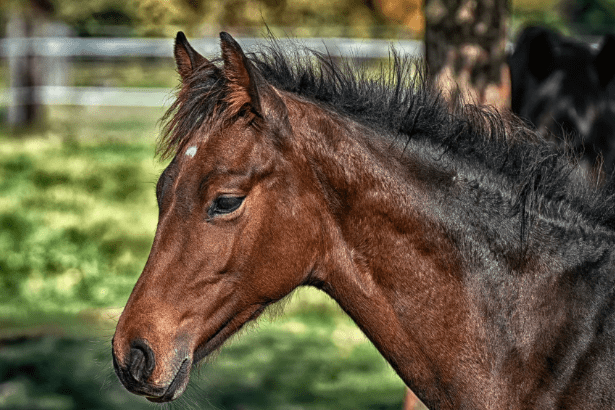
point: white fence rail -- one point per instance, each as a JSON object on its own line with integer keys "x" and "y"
{"x": 155, "y": 47}
{"x": 91, "y": 96}
{"x": 56, "y": 49}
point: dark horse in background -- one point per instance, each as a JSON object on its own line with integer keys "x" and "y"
{"x": 469, "y": 250}
{"x": 566, "y": 89}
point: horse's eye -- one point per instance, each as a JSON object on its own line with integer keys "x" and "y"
{"x": 225, "y": 204}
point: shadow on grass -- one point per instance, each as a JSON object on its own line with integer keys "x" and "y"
{"x": 59, "y": 373}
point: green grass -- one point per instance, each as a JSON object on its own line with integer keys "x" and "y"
{"x": 77, "y": 218}
{"x": 126, "y": 72}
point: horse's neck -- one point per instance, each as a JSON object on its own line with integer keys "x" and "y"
{"x": 388, "y": 260}
{"x": 446, "y": 311}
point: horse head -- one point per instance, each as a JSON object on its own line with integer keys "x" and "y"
{"x": 238, "y": 229}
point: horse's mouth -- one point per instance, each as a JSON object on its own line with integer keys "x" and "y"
{"x": 180, "y": 381}
{"x": 177, "y": 386}
{"x": 226, "y": 330}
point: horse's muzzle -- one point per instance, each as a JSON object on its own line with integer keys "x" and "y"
{"x": 136, "y": 369}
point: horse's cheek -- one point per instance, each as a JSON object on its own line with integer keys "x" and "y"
{"x": 282, "y": 256}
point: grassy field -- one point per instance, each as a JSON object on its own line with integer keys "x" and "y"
{"x": 77, "y": 218}
{"x": 77, "y": 213}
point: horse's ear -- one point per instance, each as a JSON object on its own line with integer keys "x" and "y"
{"x": 243, "y": 78}
{"x": 605, "y": 60}
{"x": 542, "y": 53}
{"x": 249, "y": 89}
{"x": 186, "y": 57}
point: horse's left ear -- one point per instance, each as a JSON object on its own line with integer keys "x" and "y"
{"x": 604, "y": 61}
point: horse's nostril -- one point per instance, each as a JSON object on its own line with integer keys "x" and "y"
{"x": 141, "y": 362}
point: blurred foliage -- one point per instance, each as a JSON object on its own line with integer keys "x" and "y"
{"x": 533, "y": 12}
{"x": 571, "y": 17}
{"x": 356, "y": 18}
{"x": 590, "y": 16}
{"x": 353, "y": 18}
{"x": 407, "y": 13}
{"x": 301, "y": 17}
{"x": 98, "y": 17}
{"x": 87, "y": 17}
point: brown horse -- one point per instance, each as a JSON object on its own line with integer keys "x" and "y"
{"x": 472, "y": 253}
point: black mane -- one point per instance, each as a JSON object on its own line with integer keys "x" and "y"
{"x": 402, "y": 106}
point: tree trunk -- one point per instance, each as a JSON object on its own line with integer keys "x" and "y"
{"x": 23, "y": 110}
{"x": 465, "y": 49}
{"x": 26, "y": 70}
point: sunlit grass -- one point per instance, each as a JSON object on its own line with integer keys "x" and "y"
{"x": 77, "y": 213}
{"x": 127, "y": 72}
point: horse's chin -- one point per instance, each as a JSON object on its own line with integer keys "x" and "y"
{"x": 177, "y": 386}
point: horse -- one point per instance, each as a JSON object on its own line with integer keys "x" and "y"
{"x": 566, "y": 89}
{"x": 474, "y": 254}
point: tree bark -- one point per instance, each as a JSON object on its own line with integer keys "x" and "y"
{"x": 465, "y": 50}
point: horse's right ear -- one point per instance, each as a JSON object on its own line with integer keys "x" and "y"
{"x": 186, "y": 57}
{"x": 542, "y": 53}
{"x": 604, "y": 61}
